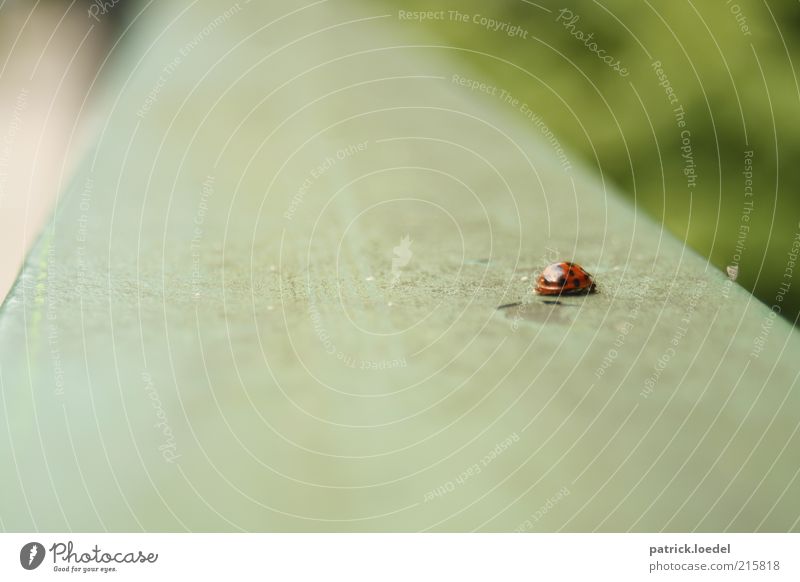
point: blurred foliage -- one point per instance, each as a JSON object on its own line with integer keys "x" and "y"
{"x": 738, "y": 88}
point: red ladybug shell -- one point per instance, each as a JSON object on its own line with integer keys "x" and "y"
{"x": 564, "y": 279}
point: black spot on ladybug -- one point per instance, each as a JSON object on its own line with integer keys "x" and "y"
{"x": 576, "y": 282}
{"x": 571, "y": 273}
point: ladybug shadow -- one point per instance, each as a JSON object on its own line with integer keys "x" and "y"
{"x": 553, "y": 311}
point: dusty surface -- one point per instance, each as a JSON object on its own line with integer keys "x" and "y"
{"x": 224, "y": 331}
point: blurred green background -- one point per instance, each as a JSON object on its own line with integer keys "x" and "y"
{"x": 731, "y": 67}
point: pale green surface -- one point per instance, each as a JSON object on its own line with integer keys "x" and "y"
{"x": 275, "y": 433}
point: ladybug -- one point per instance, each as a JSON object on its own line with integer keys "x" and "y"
{"x": 564, "y": 279}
